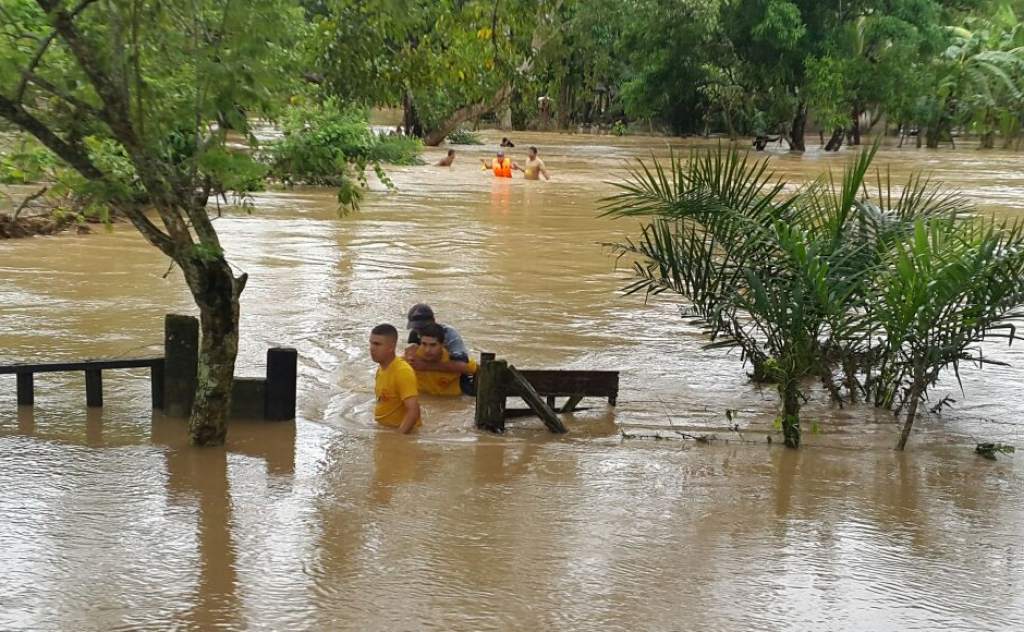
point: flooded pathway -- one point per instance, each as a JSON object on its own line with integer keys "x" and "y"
{"x": 109, "y": 521}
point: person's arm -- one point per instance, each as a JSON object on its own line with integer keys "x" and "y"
{"x": 544, "y": 171}
{"x": 412, "y": 413}
{"x": 451, "y": 366}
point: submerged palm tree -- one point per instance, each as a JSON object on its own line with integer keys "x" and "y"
{"x": 802, "y": 283}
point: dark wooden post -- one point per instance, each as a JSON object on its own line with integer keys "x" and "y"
{"x": 181, "y": 362}
{"x": 490, "y": 393}
{"x": 26, "y": 389}
{"x": 93, "y": 388}
{"x": 282, "y": 377}
{"x": 156, "y": 384}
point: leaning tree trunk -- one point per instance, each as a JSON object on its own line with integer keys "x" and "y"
{"x": 796, "y": 142}
{"x": 908, "y": 422}
{"x": 216, "y": 291}
{"x": 790, "y": 413}
{"x": 436, "y": 136}
{"x": 836, "y": 140}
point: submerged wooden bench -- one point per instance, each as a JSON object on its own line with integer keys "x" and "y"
{"x": 93, "y": 377}
{"x": 173, "y": 376}
{"x": 497, "y": 380}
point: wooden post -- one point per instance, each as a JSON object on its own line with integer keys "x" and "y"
{"x": 26, "y": 389}
{"x": 93, "y": 388}
{"x": 282, "y": 369}
{"x": 156, "y": 384}
{"x": 490, "y": 393}
{"x": 534, "y": 401}
{"x": 181, "y": 362}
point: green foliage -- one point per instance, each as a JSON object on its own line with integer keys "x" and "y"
{"x": 397, "y": 150}
{"x": 26, "y": 162}
{"x": 328, "y": 144}
{"x": 989, "y": 450}
{"x": 464, "y": 137}
{"x": 887, "y": 288}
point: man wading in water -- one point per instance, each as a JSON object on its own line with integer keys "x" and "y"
{"x": 398, "y": 404}
{"x": 500, "y": 165}
{"x": 534, "y": 166}
{"x": 447, "y": 160}
{"x": 431, "y": 352}
{"x": 420, "y": 316}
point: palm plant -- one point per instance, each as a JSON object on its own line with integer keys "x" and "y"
{"x": 763, "y": 271}
{"x": 889, "y": 289}
{"x": 952, "y": 285}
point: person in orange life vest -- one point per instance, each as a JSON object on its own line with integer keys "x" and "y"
{"x": 395, "y": 386}
{"x": 436, "y": 372}
{"x": 500, "y": 165}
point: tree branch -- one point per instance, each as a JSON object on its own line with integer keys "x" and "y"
{"x": 73, "y": 100}
{"x": 27, "y": 201}
{"x": 44, "y": 45}
{"x": 70, "y": 154}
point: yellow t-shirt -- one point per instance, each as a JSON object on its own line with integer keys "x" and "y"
{"x": 441, "y": 382}
{"x": 393, "y": 386}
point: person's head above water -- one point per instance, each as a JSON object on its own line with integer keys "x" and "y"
{"x": 501, "y": 153}
{"x": 432, "y": 341}
{"x": 383, "y": 340}
{"x": 451, "y": 152}
{"x": 419, "y": 316}
{"x": 533, "y": 152}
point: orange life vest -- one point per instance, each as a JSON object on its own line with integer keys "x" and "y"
{"x": 502, "y": 168}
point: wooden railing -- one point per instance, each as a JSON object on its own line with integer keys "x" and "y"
{"x": 93, "y": 377}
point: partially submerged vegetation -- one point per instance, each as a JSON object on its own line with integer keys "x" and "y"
{"x": 873, "y": 289}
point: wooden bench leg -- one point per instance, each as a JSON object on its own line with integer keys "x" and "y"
{"x": 572, "y": 403}
{"x": 93, "y": 388}
{"x": 26, "y": 389}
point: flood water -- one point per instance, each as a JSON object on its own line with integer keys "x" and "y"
{"x": 109, "y": 521}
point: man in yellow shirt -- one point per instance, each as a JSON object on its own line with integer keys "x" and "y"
{"x": 436, "y": 372}
{"x": 397, "y": 393}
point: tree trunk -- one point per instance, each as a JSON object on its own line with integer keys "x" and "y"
{"x": 790, "y": 413}
{"x": 836, "y": 141}
{"x": 796, "y": 141}
{"x": 988, "y": 140}
{"x": 908, "y": 422}
{"x": 855, "y": 128}
{"x": 410, "y": 119}
{"x": 435, "y": 137}
{"x": 216, "y": 292}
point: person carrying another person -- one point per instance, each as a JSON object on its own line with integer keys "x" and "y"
{"x": 398, "y": 404}
{"x": 534, "y": 166}
{"x": 447, "y": 160}
{"x": 500, "y": 165}
{"x": 420, "y": 315}
{"x": 430, "y": 353}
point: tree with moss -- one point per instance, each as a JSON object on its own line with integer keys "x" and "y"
{"x": 136, "y": 97}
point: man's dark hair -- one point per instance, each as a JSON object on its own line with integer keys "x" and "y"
{"x": 385, "y": 329}
{"x": 533, "y": 149}
{"x": 451, "y": 152}
{"x": 432, "y": 330}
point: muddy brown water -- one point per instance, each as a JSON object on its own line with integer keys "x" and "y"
{"x": 109, "y": 521}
